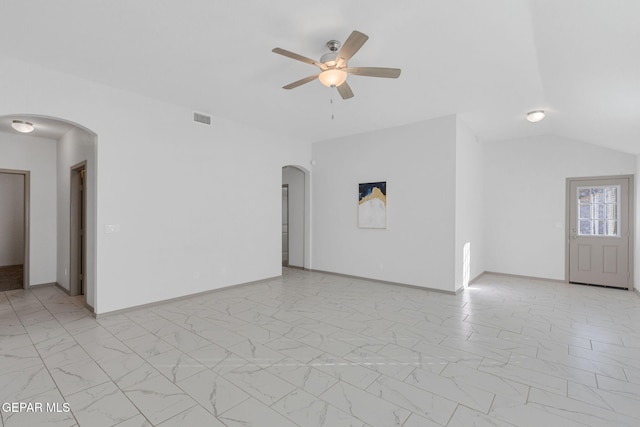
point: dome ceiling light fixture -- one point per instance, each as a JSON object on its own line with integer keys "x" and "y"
{"x": 332, "y": 78}
{"x": 334, "y": 68}
{"x": 22, "y": 126}
{"x": 535, "y": 116}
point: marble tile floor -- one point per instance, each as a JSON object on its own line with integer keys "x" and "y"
{"x": 312, "y": 349}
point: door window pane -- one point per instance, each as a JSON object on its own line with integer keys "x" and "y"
{"x": 597, "y": 195}
{"x": 598, "y": 211}
{"x": 584, "y": 195}
{"x": 585, "y": 227}
{"x": 585, "y": 211}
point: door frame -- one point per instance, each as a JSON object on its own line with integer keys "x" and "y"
{"x": 306, "y": 215}
{"x": 75, "y": 288}
{"x": 286, "y": 186}
{"x": 631, "y": 230}
{"x": 26, "y": 200}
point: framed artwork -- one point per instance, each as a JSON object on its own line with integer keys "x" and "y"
{"x": 372, "y": 205}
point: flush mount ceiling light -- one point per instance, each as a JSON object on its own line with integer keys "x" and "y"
{"x": 22, "y": 126}
{"x": 535, "y": 116}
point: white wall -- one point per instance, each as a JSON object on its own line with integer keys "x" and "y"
{"x": 525, "y": 185}
{"x": 74, "y": 147}
{"x": 294, "y": 178}
{"x": 37, "y": 155}
{"x": 469, "y": 210}
{"x": 418, "y": 163}
{"x": 11, "y": 219}
{"x": 168, "y": 183}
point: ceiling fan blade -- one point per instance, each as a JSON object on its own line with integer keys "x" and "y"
{"x": 300, "y": 82}
{"x": 345, "y": 91}
{"x": 297, "y": 57}
{"x": 391, "y": 73}
{"x": 350, "y": 47}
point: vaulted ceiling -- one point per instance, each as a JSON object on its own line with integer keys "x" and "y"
{"x": 490, "y": 61}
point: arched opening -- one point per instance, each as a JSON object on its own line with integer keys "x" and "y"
{"x": 60, "y": 209}
{"x": 296, "y": 241}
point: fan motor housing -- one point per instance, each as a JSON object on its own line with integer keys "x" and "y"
{"x": 329, "y": 58}
{"x": 333, "y": 45}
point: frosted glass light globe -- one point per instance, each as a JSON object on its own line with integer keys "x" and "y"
{"x": 331, "y": 78}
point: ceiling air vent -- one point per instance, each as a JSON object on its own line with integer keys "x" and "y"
{"x": 202, "y": 118}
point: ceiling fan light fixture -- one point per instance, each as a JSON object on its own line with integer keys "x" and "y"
{"x": 535, "y": 116}
{"x": 332, "y": 78}
{"x": 333, "y": 65}
{"x": 22, "y": 126}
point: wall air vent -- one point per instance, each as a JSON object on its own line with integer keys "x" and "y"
{"x": 202, "y": 118}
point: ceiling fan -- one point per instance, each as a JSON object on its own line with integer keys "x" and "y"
{"x": 334, "y": 68}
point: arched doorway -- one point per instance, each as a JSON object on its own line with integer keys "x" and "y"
{"x": 55, "y": 252}
{"x": 295, "y": 217}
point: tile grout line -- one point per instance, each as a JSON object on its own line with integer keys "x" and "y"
{"x": 36, "y": 348}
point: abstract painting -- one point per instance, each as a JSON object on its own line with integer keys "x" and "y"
{"x": 372, "y": 205}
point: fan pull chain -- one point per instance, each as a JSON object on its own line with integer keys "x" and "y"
{"x": 331, "y": 102}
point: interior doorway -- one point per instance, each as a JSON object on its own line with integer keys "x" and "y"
{"x": 285, "y": 225}
{"x": 48, "y": 251}
{"x": 14, "y": 229}
{"x": 78, "y": 244}
{"x": 295, "y": 217}
{"x": 600, "y": 226}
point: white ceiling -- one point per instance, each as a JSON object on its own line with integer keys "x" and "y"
{"x": 490, "y": 61}
{"x": 44, "y": 127}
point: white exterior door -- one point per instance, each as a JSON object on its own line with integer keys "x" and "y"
{"x": 599, "y": 233}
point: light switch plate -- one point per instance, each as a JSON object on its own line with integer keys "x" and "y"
{"x": 112, "y": 228}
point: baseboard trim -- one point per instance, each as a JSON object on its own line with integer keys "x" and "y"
{"x": 462, "y": 289}
{"x": 42, "y": 285}
{"x": 63, "y": 289}
{"x": 637, "y": 291}
{"x": 91, "y": 309}
{"x": 562, "y": 282}
{"x": 521, "y": 276}
{"x": 180, "y": 298}
{"x": 478, "y": 276}
{"x": 386, "y": 282}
